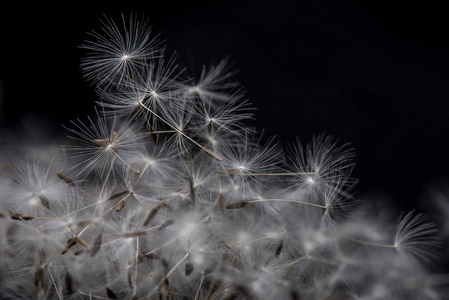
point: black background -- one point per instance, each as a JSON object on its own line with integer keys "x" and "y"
{"x": 372, "y": 73}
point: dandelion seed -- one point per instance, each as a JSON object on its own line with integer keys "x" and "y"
{"x": 322, "y": 164}
{"x": 96, "y": 246}
{"x": 84, "y": 223}
{"x": 118, "y": 194}
{"x": 82, "y": 242}
{"x": 65, "y": 178}
{"x": 153, "y": 212}
{"x": 118, "y": 52}
{"x": 153, "y": 134}
{"x": 39, "y": 276}
{"x": 116, "y": 266}
{"x": 120, "y": 205}
{"x": 77, "y": 253}
{"x": 152, "y": 256}
{"x": 130, "y": 280}
{"x": 133, "y": 234}
{"x": 17, "y": 216}
{"x": 164, "y": 289}
{"x": 188, "y": 269}
{"x": 166, "y": 224}
{"x": 294, "y": 295}
{"x": 110, "y": 293}
{"x": 165, "y": 264}
{"x": 40, "y": 282}
{"x": 192, "y": 190}
{"x": 209, "y": 269}
{"x": 70, "y": 243}
{"x": 236, "y": 205}
{"x": 232, "y": 296}
{"x": 414, "y": 236}
{"x": 279, "y": 248}
{"x": 221, "y": 202}
{"x": 69, "y": 283}
{"x": 44, "y": 202}
{"x": 213, "y": 83}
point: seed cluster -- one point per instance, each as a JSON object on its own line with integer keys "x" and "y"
{"x": 168, "y": 195}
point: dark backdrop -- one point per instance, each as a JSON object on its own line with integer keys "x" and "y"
{"x": 372, "y": 73}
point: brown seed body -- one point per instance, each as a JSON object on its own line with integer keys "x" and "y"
{"x": 65, "y": 178}
{"x": 236, "y": 205}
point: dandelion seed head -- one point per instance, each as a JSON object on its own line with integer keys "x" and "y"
{"x": 240, "y": 223}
